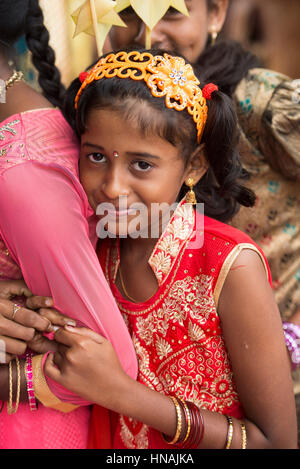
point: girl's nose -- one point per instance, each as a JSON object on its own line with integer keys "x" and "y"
{"x": 114, "y": 185}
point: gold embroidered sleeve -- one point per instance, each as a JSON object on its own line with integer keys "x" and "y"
{"x": 42, "y": 391}
{"x": 228, "y": 264}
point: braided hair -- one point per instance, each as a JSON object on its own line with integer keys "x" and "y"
{"x": 25, "y": 17}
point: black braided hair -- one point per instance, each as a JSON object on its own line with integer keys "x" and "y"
{"x": 43, "y": 56}
{"x": 19, "y": 17}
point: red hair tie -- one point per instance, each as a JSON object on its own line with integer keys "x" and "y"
{"x": 208, "y": 90}
{"x": 83, "y": 76}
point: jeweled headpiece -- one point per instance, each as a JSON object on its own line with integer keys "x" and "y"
{"x": 166, "y": 76}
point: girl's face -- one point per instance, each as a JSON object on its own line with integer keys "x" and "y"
{"x": 187, "y": 35}
{"x": 117, "y": 160}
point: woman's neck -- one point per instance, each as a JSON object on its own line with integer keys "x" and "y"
{"x": 20, "y": 97}
{"x": 5, "y": 70}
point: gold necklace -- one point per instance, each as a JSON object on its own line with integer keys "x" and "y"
{"x": 16, "y": 76}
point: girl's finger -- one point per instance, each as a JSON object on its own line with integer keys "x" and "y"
{"x": 84, "y": 332}
{"x": 51, "y": 369}
{"x": 37, "y": 302}
{"x": 56, "y": 318}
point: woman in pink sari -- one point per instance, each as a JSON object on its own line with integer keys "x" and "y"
{"x": 46, "y": 235}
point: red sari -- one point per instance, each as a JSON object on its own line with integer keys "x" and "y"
{"x": 177, "y": 333}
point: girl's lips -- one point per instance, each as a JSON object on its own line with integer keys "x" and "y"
{"x": 120, "y": 213}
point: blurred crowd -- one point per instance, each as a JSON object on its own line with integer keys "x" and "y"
{"x": 269, "y": 28}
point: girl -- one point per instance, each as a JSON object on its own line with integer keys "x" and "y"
{"x": 198, "y": 303}
{"x": 268, "y": 114}
{"x": 44, "y": 237}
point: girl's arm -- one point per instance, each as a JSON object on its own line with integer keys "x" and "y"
{"x": 253, "y": 334}
{"x": 43, "y": 224}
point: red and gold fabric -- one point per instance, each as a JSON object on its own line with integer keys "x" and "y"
{"x": 177, "y": 333}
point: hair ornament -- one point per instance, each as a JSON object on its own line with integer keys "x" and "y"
{"x": 208, "y": 90}
{"x": 167, "y": 77}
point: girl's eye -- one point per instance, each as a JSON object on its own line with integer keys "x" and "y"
{"x": 142, "y": 166}
{"x": 96, "y": 157}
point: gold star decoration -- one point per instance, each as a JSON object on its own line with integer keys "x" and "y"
{"x": 151, "y": 12}
{"x": 96, "y": 17}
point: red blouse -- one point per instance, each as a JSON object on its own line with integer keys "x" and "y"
{"x": 177, "y": 333}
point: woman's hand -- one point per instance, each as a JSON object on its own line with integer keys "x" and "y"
{"x": 17, "y": 323}
{"x": 11, "y": 288}
{"x": 87, "y": 364}
{"x": 21, "y": 327}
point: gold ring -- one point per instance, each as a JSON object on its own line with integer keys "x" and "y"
{"x": 15, "y": 310}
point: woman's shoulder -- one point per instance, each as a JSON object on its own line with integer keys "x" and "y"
{"x": 41, "y": 135}
{"x": 256, "y": 89}
{"x": 37, "y": 121}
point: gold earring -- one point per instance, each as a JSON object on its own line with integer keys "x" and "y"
{"x": 190, "y": 196}
{"x": 214, "y": 36}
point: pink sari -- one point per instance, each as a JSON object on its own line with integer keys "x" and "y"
{"x": 46, "y": 237}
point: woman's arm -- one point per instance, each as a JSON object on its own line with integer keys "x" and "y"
{"x": 46, "y": 232}
{"x": 253, "y": 334}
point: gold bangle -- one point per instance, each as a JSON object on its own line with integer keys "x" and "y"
{"x": 178, "y": 422}
{"x": 10, "y": 409}
{"x": 10, "y": 383}
{"x": 188, "y": 415}
{"x": 244, "y": 435}
{"x": 18, "y": 385}
{"x": 229, "y": 432}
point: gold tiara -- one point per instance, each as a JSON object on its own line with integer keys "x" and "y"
{"x": 165, "y": 75}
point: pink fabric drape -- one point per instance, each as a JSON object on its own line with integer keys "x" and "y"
{"x": 43, "y": 222}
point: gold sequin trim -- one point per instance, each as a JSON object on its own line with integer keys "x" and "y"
{"x": 227, "y": 266}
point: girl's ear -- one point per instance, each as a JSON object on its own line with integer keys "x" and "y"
{"x": 197, "y": 165}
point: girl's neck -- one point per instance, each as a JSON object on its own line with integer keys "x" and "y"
{"x": 137, "y": 250}
{"x": 20, "y": 97}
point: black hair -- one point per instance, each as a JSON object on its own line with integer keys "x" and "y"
{"x": 220, "y": 189}
{"x": 25, "y": 17}
{"x": 226, "y": 63}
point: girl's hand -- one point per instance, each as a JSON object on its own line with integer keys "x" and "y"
{"x": 86, "y": 364}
